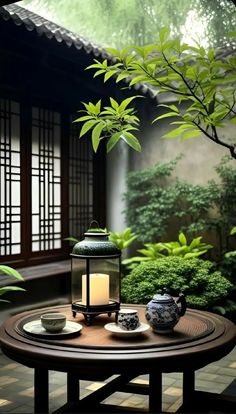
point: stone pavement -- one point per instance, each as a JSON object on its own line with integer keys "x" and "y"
{"x": 16, "y": 386}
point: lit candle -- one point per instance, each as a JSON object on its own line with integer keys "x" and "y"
{"x": 98, "y": 289}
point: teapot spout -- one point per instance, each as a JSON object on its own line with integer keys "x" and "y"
{"x": 183, "y": 305}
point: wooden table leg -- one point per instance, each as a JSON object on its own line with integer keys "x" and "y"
{"x": 188, "y": 389}
{"x": 41, "y": 389}
{"x": 73, "y": 388}
{"x": 155, "y": 392}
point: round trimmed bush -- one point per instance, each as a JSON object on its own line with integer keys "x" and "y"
{"x": 202, "y": 285}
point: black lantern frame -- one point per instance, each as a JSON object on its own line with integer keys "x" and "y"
{"x": 95, "y": 276}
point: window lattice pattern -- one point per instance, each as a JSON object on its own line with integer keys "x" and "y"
{"x": 46, "y": 180}
{"x": 80, "y": 184}
{"x": 10, "y": 200}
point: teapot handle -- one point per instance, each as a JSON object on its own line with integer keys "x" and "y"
{"x": 182, "y": 301}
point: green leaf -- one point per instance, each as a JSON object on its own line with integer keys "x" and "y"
{"x": 233, "y": 231}
{"x": 167, "y": 115}
{"x": 195, "y": 242}
{"x": 112, "y": 51}
{"x": 131, "y": 140}
{"x": 127, "y": 101}
{"x": 6, "y": 289}
{"x": 138, "y": 79}
{"x": 109, "y": 74}
{"x": 10, "y": 272}
{"x": 177, "y": 131}
{"x": 99, "y": 72}
{"x": 191, "y": 255}
{"x": 113, "y": 141}
{"x": 193, "y": 133}
{"x": 72, "y": 239}
{"x": 87, "y": 126}
{"x": 182, "y": 239}
{"x": 83, "y": 118}
{"x": 163, "y": 34}
{"x": 96, "y": 136}
{"x": 122, "y": 76}
{"x": 233, "y": 120}
{"x": 114, "y": 104}
{"x": 172, "y": 107}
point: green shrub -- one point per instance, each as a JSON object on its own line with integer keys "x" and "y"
{"x": 197, "y": 278}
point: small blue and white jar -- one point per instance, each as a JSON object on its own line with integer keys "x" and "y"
{"x": 128, "y": 319}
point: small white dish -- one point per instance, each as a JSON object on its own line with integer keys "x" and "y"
{"x": 35, "y": 328}
{"x": 116, "y": 330}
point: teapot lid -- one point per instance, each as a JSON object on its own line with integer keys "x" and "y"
{"x": 163, "y": 297}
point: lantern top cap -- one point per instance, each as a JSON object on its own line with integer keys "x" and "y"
{"x": 96, "y": 243}
{"x": 95, "y": 230}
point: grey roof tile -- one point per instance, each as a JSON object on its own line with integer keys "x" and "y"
{"x": 42, "y": 26}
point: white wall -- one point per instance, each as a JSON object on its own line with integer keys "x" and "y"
{"x": 117, "y": 167}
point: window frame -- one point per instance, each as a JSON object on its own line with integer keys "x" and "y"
{"x": 27, "y": 257}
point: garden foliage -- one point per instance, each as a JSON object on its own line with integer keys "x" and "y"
{"x": 155, "y": 199}
{"x": 180, "y": 247}
{"x": 201, "y": 78}
{"x": 9, "y": 271}
{"x": 196, "y": 278}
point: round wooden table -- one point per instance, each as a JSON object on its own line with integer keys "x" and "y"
{"x": 95, "y": 354}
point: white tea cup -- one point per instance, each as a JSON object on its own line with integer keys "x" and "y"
{"x": 53, "y": 322}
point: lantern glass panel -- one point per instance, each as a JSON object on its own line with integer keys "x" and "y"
{"x": 78, "y": 269}
{"x": 104, "y": 281}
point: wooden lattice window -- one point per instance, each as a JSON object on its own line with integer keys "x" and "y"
{"x": 46, "y": 180}
{"x": 10, "y": 164}
{"x": 48, "y": 183}
{"x": 80, "y": 184}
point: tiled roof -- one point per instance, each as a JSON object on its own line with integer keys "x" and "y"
{"x": 42, "y": 26}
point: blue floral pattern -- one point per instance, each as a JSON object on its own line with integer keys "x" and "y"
{"x": 128, "y": 321}
{"x": 162, "y": 317}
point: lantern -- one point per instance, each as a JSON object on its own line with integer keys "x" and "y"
{"x": 95, "y": 276}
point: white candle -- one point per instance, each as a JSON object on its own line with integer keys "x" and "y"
{"x": 98, "y": 289}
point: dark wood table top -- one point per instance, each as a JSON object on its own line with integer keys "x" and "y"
{"x": 198, "y": 339}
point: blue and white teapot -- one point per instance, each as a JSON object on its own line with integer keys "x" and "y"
{"x": 163, "y": 312}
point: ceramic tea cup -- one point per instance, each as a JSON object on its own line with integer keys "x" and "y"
{"x": 128, "y": 319}
{"x": 53, "y": 322}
